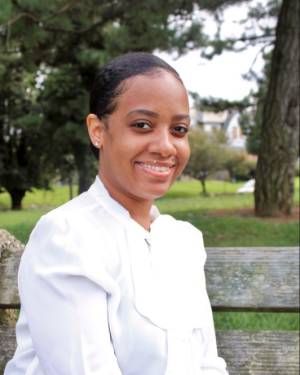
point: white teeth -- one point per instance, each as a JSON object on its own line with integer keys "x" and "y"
{"x": 156, "y": 168}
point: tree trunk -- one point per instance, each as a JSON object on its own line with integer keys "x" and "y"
{"x": 16, "y": 196}
{"x": 85, "y": 167}
{"x": 70, "y": 184}
{"x": 204, "y": 192}
{"x": 280, "y": 126}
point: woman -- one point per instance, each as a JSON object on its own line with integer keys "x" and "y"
{"x": 109, "y": 286}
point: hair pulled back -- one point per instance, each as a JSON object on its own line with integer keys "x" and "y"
{"x": 107, "y": 85}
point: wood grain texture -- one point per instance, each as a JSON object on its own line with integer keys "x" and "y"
{"x": 246, "y": 353}
{"x": 237, "y": 278}
{"x": 10, "y": 252}
{"x": 260, "y": 353}
{"x": 7, "y": 345}
{"x": 259, "y": 279}
{"x": 265, "y": 279}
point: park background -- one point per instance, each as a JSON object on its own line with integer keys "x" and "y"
{"x": 49, "y": 55}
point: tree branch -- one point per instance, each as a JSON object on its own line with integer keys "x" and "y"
{"x": 18, "y": 17}
{"x": 63, "y": 9}
{"x": 42, "y": 22}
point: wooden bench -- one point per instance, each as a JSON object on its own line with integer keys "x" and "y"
{"x": 238, "y": 279}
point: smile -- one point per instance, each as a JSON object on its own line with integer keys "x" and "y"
{"x": 155, "y": 168}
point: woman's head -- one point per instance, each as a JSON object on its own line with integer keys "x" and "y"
{"x": 108, "y": 84}
{"x": 139, "y": 120}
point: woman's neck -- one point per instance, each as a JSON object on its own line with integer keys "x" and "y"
{"x": 142, "y": 216}
{"x": 139, "y": 209}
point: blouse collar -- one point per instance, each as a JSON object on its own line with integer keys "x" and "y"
{"x": 100, "y": 192}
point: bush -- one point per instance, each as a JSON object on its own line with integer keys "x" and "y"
{"x": 206, "y": 156}
{"x": 239, "y": 167}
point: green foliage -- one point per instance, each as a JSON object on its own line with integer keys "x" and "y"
{"x": 65, "y": 43}
{"x": 219, "y": 105}
{"x": 22, "y": 163}
{"x": 209, "y": 153}
{"x": 251, "y": 118}
{"x": 61, "y": 46}
{"x": 206, "y": 154}
{"x": 261, "y": 32}
{"x": 240, "y": 168}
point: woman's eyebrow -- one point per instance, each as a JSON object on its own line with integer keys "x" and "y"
{"x": 143, "y": 112}
{"x": 182, "y": 117}
{"x": 147, "y": 112}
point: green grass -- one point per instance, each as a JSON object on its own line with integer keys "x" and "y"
{"x": 37, "y": 198}
{"x": 252, "y": 321}
{"x": 209, "y": 203}
{"x": 185, "y": 202}
{"x": 21, "y": 223}
{"x": 35, "y": 204}
{"x": 241, "y": 231}
{"x": 192, "y": 188}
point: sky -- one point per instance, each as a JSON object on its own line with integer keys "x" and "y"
{"x": 221, "y": 77}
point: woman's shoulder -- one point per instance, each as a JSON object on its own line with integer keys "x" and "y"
{"x": 75, "y": 234}
{"x": 80, "y": 216}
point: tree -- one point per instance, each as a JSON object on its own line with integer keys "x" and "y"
{"x": 21, "y": 144}
{"x": 280, "y": 121}
{"x": 277, "y": 111}
{"x": 251, "y": 118}
{"x": 63, "y": 102}
{"x": 238, "y": 165}
{"x": 206, "y": 157}
{"x": 75, "y": 38}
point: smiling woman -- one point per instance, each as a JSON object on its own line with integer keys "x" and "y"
{"x": 107, "y": 284}
{"x": 143, "y": 143}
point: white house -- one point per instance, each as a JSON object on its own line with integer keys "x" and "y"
{"x": 227, "y": 120}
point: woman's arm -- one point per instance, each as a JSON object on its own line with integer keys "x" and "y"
{"x": 211, "y": 363}
{"x": 65, "y": 310}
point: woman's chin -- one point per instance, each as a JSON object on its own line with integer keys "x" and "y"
{"x": 156, "y": 192}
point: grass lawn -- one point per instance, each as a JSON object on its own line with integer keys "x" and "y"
{"x": 185, "y": 202}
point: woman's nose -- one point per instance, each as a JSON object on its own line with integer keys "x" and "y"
{"x": 163, "y": 144}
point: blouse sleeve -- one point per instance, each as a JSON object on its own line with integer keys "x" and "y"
{"x": 65, "y": 309}
{"x": 211, "y": 363}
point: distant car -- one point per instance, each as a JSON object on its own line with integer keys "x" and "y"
{"x": 248, "y": 187}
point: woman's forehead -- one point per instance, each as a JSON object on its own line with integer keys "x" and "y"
{"x": 161, "y": 88}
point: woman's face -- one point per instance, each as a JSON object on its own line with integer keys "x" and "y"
{"x": 144, "y": 143}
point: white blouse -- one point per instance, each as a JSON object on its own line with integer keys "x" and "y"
{"x": 100, "y": 295}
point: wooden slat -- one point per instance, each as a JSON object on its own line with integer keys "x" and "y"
{"x": 7, "y": 345}
{"x": 10, "y": 253}
{"x": 246, "y": 353}
{"x": 265, "y": 279}
{"x": 259, "y": 279}
{"x": 237, "y": 278}
{"x": 260, "y": 353}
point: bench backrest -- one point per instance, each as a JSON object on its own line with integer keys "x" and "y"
{"x": 238, "y": 279}
{"x": 253, "y": 279}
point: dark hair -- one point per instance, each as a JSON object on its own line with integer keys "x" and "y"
{"x": 107, "y": 85}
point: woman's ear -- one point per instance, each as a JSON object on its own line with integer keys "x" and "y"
{"x": 95, "y": 129}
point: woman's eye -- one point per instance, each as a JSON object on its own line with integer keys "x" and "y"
{"x": 141, "y": 125}
{"x": 180, "y": 130}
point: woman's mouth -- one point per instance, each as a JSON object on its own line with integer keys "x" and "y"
{"x": 157, "y": 169}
